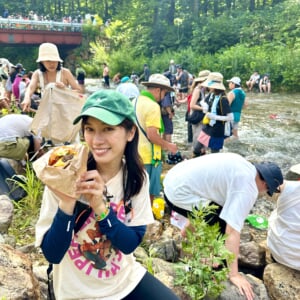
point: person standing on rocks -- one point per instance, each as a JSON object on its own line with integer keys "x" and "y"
{"x": 228, "y": 181}
{"x": 150, "y": 124}
{"x": 50, "y": 71}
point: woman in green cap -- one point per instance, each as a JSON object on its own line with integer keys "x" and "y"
{"x": 93, "y": 258}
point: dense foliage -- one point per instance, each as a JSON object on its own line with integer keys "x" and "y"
{"x": 230, "y": 36}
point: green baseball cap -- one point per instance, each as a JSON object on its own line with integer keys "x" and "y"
{"x": 108, "y": 106}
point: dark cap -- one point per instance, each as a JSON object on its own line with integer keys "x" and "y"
{"x": 19, "y": 66}
{"x": 271, "y": 174}
{"x": 108, "y": 106}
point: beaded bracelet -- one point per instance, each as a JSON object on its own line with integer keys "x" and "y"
{"x": 102, "y": 216}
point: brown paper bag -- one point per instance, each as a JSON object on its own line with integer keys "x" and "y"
{"x": 57, "y": 178}
{"x": 56, "y": 113}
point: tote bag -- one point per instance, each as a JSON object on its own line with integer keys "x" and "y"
{"x": 57, "y": 110}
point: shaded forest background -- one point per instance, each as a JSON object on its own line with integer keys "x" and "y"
{"x": 229, "y": 36}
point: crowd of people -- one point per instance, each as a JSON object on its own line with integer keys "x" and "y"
{"x": 127, "y": 132}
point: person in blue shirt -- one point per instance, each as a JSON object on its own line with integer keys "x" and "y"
{"x": 236, "y": 98}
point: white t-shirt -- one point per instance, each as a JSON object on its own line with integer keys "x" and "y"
{"x": 227, "y": 179}
{"x": 284, "y": 227}
{"x": 14, "y": 126}
{"x": 102, "y": 272}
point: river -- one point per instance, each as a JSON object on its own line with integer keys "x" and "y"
{"x": 269, "y": 130}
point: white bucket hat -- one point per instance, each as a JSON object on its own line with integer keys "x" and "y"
{"x": 235, "y": 80}
{"x": 214, "y": 81}
{"x": 48, "y": 52}
{"x": 159, "y": 80}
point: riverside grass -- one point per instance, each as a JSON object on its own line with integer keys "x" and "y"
{"x": 26, "y": 211}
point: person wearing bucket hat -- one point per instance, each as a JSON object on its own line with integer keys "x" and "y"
{"x": 218, "y": 115}
{"x": 228, "y": 181}
{"x": 237, "y": 100}
{"x": 114, "y": 191}
{"x": 150, "y": 124}
{"x": 194, "y": 104}
{"x": 50, "y": 71}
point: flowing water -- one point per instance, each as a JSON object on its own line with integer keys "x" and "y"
{"x": 269, "y": 130}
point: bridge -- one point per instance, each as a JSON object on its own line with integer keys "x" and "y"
{"x": 19, "y": 32}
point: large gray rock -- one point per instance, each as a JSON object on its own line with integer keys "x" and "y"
{"x": 6, "y": 213}
{"x": 282, "y": 282}
{"x": 17, "y": 280}
{"x": 293, "y": 173}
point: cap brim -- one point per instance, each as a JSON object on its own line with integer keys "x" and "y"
{"x": 168, "y": 88}
{"x": 216, "y": 86}
{"x": 101, "y": 114}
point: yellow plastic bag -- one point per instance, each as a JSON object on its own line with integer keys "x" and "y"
{"x": 158, "y": 208}
{"x": 205, "y": 120}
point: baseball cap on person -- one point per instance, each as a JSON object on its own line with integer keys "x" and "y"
{"x": 108, "y": 106}
{"x": 19, "y": 66}
{"x": 271, "y": 174}
{"x": 235, "y": 80}
{"x": 159, "y": 80}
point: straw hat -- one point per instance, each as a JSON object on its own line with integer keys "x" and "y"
{"x": 214, "y": 81}
{"x": 202, "y": 76}
{"x": 159, "y": 80}
{"x": 48, "y": 52}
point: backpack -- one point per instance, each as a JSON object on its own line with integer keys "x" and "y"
{"x": 8, "y": 178}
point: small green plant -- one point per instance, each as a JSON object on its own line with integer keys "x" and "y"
{"x": 204, "y": 263}
{"x": 26, "y": 210}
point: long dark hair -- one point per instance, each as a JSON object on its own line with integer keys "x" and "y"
{"x": 133, "y": 173}
{"x": 43, "y": 68}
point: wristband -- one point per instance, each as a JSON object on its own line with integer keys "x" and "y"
{"x": 102, "y": 216}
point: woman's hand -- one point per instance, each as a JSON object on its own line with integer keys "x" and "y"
{"x": 60, "y": 85}
{"x": 92, "y": 186}
{"x": 26, "y": 105}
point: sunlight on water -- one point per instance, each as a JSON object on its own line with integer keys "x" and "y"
{"x": 269, "y": 130}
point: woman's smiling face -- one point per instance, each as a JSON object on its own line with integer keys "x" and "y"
{"x": 106, "y": 142}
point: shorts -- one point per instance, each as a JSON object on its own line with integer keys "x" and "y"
{"x": 235, "y": 125}
{"x": 183, "y": 90}
{"x": 14, "y": 149}
{"x": 154, "y": 173}
{"x": 168, "y": 123}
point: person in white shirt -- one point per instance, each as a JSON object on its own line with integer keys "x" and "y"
{"x": 283, "y": 238}
{"x": 16, "y": 140}
{"x": 233, "y": 184}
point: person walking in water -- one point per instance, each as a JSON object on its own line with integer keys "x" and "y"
{"x": 236, "y": 98}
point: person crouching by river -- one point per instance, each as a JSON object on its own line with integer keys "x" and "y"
{"x": 212, "y": 134}
{"x": 230, "y": 182}
{"x": 95, "y": 260}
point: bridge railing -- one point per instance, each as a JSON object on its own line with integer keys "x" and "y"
{"x": 38, "y": 25}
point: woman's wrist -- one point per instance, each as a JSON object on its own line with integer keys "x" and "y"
{"x": 101, "y": 208}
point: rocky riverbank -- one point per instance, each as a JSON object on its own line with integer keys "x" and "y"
{"x": 23, "y": 270}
